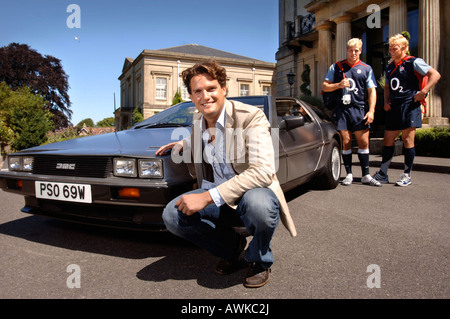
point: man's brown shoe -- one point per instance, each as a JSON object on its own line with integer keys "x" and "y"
{"x": 226, "y": 267}
{"x": 257, "y": 276}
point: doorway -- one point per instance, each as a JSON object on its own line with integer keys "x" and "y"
{"x": 376, "y": 53}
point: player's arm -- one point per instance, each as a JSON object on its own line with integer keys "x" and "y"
{"x": 433, "y": 78}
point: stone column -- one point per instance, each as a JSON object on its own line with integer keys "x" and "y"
{"x": 429, "y": 48}
{"x": 343, "y": 34}
{"x": 324, "y": 48}
{"x": 398, "y": 17}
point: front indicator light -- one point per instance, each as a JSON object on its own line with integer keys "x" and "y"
{"x": 129, "y": 193}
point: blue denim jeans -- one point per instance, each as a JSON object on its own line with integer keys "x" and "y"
{"x": 211, "y": 228}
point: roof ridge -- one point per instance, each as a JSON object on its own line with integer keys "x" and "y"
{"x": 185, "y": 47}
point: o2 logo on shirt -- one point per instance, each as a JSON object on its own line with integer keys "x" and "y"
{"x": 395, "y": 85}
{"x": 352, "y": 86}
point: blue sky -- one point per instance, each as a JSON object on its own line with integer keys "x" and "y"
{"x": 112, "y": 30}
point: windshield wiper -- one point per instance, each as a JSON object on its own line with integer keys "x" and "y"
{"x": 156, "y": 125}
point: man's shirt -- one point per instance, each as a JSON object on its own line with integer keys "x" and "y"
{"x": 402, "y": 78}
{"x": 214, "y": 153}
{"x": 361, "y": 77}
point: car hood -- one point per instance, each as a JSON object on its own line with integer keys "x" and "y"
{"x": 142, "y": 142}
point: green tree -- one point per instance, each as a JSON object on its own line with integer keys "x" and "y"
{"x": 6, "y": 135}
{"x": 22, "y": 66}
{"x": 177, "y": 98}
{"x": 31, "y": 128}
{"x": 89, "y": 123}
{"x": 407, "y": 36}
{"x": 137, "y": 115}
{"x": 106, "y": 122}
{"x": 24, "y": 115}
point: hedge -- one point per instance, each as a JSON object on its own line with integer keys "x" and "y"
{"x": 433, "y": 142}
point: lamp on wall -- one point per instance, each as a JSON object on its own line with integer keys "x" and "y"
{"x": 291, "y": 80}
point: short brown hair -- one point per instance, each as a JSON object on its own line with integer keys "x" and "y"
{"x": 211, "y": 67}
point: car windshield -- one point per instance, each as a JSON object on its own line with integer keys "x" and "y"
{"x": 177, "y": 115}
{"x": 181, "y": 114}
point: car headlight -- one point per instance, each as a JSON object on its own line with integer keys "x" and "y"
{"x": 150, "y": 168}
{"x": 20, "y": 163}
{"x": 27, "y": 163}
{"x": 125, "y": 167}
{"x": 15, "y": 163}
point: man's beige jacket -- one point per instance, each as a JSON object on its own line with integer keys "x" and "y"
{"x": 250, "y": 152}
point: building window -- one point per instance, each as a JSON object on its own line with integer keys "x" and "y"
{"x": 244, "y": 89}
{"x": 184, "y": 93}
{"x": 129, "y": 96}
{"x": 161, "y": 88}
{"x": 266, "y": 90}
{"x": 123, "y": 96}
{"x": 139, "y": 90}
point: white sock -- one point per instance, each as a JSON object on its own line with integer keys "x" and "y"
{"x": 349, "y": 176}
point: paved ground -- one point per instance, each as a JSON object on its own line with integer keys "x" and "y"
{"x": 421, "y": 163}
{"x": 341, "y": 233}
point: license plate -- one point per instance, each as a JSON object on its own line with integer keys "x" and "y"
{"x": 79, "y": 193}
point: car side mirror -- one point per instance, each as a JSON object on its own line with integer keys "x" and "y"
{"x": 291, "y": 122}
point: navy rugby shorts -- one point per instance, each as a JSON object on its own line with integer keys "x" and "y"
{"x": 350, "y": 118}
{"x": 403, "y": 115}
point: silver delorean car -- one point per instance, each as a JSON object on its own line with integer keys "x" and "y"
{"x": 116, "y": 180}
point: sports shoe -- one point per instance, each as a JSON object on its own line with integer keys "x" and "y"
{"x": 348, "y": 180}
{"x": 404, "y": 180}
{"x": 379, "y": 176}
{"x": 369, "y": 180}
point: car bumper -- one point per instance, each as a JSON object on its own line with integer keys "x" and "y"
{"x": 108, "y": 207}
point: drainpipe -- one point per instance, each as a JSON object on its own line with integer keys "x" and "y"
{"x": 178, "y": 74}
{"x": 253, "y": 70}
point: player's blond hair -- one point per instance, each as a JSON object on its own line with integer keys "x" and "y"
{"x": 355, "y": 42}
{"x": 399, "y": 40}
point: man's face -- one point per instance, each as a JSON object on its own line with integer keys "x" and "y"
{"x": 396, "y": 51}
{"x": 353, "y": 54}
{"x": 208, "y": 96}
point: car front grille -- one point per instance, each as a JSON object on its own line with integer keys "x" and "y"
{"x": 78, "y": 166}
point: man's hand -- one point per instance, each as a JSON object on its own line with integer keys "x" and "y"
{"x": 387, "y": 107}
{"x": 344, "y": 83}
{"x": 421, "y": 95}
{"x": 369, "y": 117}
{"x": 192, "y": 203}
{"x": 176, "y": 146}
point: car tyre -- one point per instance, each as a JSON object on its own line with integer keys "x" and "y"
{"x": 332, "y": 171}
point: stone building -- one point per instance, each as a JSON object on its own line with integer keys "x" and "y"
{"x": 315, "y": 33}
{"x": 150, "y": 81}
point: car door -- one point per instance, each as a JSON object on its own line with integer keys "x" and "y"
{"x": 302, "y": 145}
